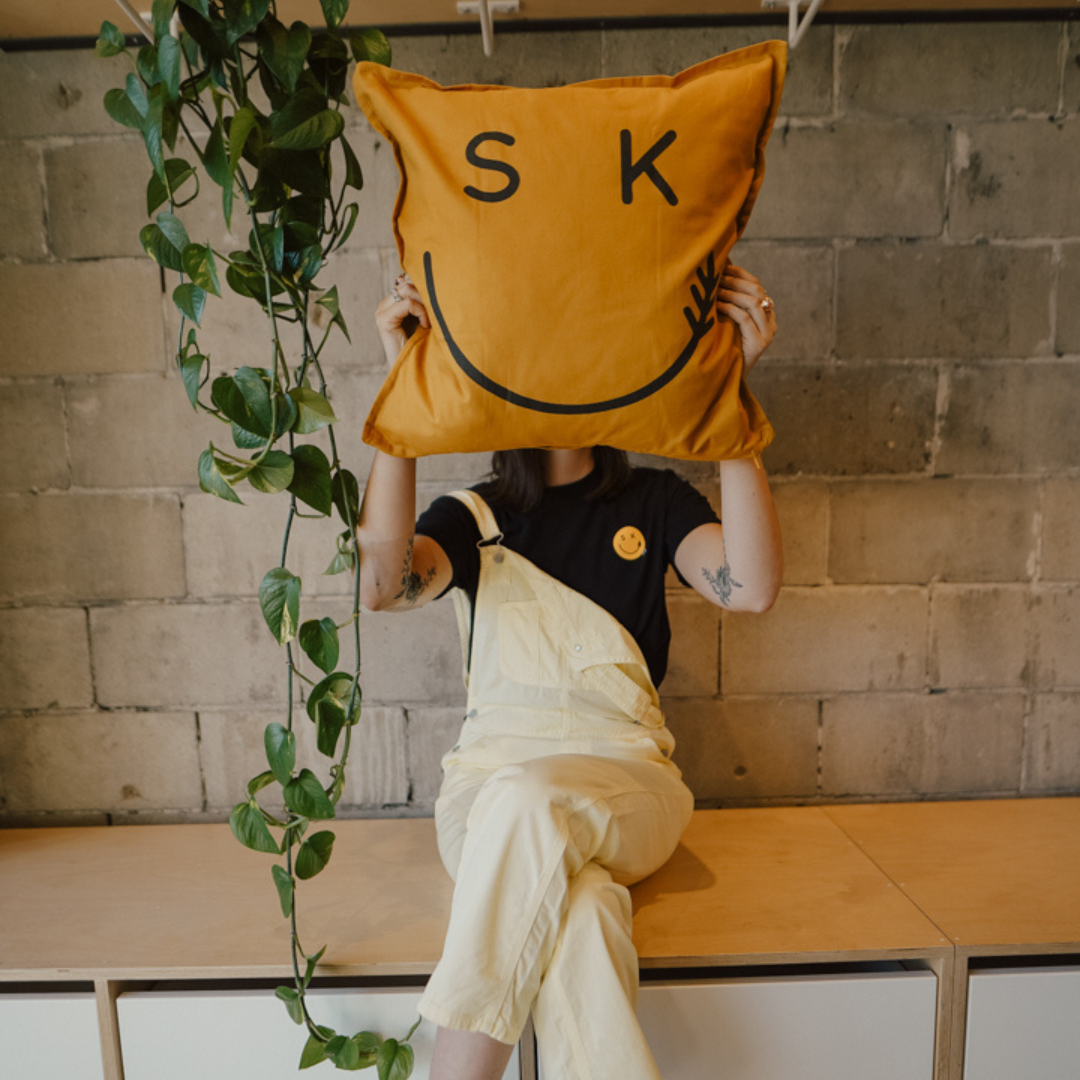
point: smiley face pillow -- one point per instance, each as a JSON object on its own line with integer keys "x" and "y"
{"x": 568, "y": 244}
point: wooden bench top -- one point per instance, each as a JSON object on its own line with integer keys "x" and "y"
{"x": 780, "y": 885}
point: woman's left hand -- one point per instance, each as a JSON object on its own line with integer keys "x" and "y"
{"x": 742, "y": 298}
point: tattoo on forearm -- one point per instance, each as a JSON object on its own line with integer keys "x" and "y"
{"x": 412, "y": 583}
{"x": 722, "y": 582}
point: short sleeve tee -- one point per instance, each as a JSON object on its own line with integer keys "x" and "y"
{"x": 614, "y": 551}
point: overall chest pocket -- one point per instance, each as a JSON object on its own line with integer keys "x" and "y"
{"x": 527, "y": 652}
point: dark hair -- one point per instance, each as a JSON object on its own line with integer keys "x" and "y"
{"x": 517, "y": 477}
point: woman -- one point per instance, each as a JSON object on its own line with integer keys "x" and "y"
{"x": 561, "y": 791}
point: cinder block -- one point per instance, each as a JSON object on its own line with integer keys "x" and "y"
{"x": 746, "y": 749}
{"x": 375, "y": 154}
{"x": 22, "y": 203}
{"x": 837, "y": 638}
{"x": 848, "y": 420}
{"x": 100, "y": 761}
{"x": 54, "y": 819}
{"x": 57, "y": 92}
{"x": 431, "y": 733}
{"x": 97, "y": 202}
{"x": 932, "y": 530}
{"x": 694, "y": 657}
{"x": 88, "y": 547}
{"x": 542, "y": 59}
{"x": 1056, "y": 616}
{"x": 412, "y": 656}
{"x": 979, "y": 637}
{"x": 111, "y": 318}
{"x": 1061, "y": 529}
{"x": 32, "y": 420}
{"x": 1072, "y": 70}
{"x": 897, "y": 170}
{"x": 669, "y": 50}
{"x": 1068, "y": 310}
{"x": 947, "y": 68}
{"x": 800, "y": 280}
{"x": 136, "y": 431}
{"x": 1016, "y": 178}
{"x": 230, "y": 548}
{"x": 185, "y": 655}
{"x": 352, "y": 393}
{"x": 933, "y": 300}
{"x": 803, "y": 509}
{"x": 232, "y": 751}
{"x": 44, "y": 659}
{"x": 922, "y": 744}
{"x": 1010, "y": 418}
{"x": 1052, "y": 746}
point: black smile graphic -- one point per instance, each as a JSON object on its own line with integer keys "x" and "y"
{"x": 700, "y": 321}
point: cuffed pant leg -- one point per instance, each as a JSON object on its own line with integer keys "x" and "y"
{"x": 530, "y": 830}
{"x": 586, "y": 1011}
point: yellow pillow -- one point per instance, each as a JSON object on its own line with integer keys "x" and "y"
{"x": 567, "y": 242}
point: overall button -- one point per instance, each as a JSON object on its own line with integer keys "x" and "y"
{"x": 472, "y": 714}
{"x": 577, "y": 648}
{"x": 498, "y": 557}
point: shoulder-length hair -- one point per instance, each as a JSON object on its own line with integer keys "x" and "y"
{"x": 516, "y": 480}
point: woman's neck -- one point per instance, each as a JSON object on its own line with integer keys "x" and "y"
{"x": 566, "y": 466}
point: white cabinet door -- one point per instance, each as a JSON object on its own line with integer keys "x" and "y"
{"x": 46, "y": 1035}
{"x": 247, "y": 1035}
{"x": 820, "y": 1027}
{"x": 1023, "y": 1022}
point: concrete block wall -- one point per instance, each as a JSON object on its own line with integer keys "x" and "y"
{"x": 919, "y": 230}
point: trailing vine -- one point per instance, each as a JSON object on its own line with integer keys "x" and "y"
{"x": 259, "y": 104}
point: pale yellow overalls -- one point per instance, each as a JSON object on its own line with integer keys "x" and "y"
{"x": 559, "y": 794}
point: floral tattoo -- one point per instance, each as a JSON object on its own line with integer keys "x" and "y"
{"x": 412, "y": 583}
{"x": 722, "y": 582}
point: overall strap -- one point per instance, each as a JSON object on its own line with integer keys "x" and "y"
{"x": 485, "y": 519}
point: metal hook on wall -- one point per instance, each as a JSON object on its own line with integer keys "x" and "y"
{"x": 485, "y": 9}
{"x": 796, "y": 29}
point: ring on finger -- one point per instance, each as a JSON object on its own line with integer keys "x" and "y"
{"x": 395, "y": 295}
{"x": 767, "y": 304}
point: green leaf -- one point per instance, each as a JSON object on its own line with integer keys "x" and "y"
{"x": 329, "y": 300}
{"x": 345, "y": 559}
{"x": 346, "y": 494}
{"x": 344, "y": 1054}
{"x": 279, "y": 598}
{"x": 291, "y": 996}
{"x": 201, "y": 6}
{"x": 191, "y": 300}
{"x": 168, "y": 59}
{"x": 311, "y": 482}
{"x": 271, "y": 240}
{"x": 243, "y": 123}
{"x": 315, "y": 1048}
{"x": 160, "y": 15}
{"x": 319, "y": 640}
{"x": 191, "y": 369}
{"x": 312, "y": 962}
{"x": 284, "y": 885}
{"x": 394, "y": 1060}
{"x": 337, "y": 783}
{"x": 137, "y": 95}
{"x": 119, "y": 106}
{"x": 199, "y": 265}
{"x": 314, "y": 411}
{"x": 257, "y": 783}
{"x": 334, "y": 11}
{"x": 305, "y": 123}
{"x": 211, "y": 480}
{"x": 371, "y": 45}
{"x": 242, "y": 16}
{"x": 284, "y": 51}
{"x": 110, "y": 41}
{"x": 329, "y": 722}
{"x": 178, "y": 172}
{"x": 245, "y": 440}
{"x": 336, "y": 687}
{"x": 351, "y": 212}
{"x": 254, "y": 388}
{"x": 354, "y": 175}
{"x": 280, "y": 744}
{"x": 273, "y": 474}
{"x": 215, "y": 159}
{"x": 174, "y": 230}
{"x": 154, "y": 129}
{"x": 146, "y": 62}
{"x": 304, "y": 795}
{"x": 249, "y": 827}
{"x": 314, "y": 854}
{"x": 158, "y": 246}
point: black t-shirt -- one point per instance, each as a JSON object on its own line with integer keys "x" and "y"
{"x": 592, "y": 546}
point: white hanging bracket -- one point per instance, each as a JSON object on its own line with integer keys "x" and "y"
{"x": 796, "y": 29}
{"x": 485, "y": 9}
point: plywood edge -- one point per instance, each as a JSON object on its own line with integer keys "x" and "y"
{"x": 781, "y": 959}
{"x": 267, "y": 971}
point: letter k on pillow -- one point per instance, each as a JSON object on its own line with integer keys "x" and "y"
{"x": 568, "y": 244}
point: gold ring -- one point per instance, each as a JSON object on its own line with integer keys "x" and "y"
{"x": 767, "y": 304}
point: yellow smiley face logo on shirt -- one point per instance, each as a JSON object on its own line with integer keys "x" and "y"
{"x": 629, "y": 543}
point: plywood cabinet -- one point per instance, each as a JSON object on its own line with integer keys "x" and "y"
{"x": 47, "y": 1035}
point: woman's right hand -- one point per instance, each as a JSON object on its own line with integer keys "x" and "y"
{"x": 396, "y": 319}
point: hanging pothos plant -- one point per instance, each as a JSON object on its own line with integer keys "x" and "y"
{"x": 259, "y": 105}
